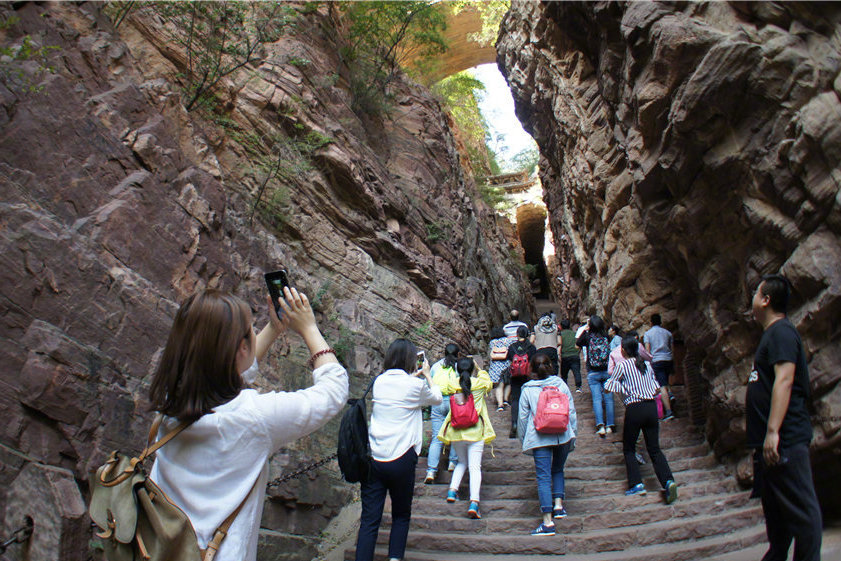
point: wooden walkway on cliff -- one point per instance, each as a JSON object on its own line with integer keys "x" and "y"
{"x": 712, "y": 519}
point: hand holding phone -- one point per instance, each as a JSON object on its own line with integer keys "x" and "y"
{"x": 420, "y": 360}
{"x": 277, "y": 281}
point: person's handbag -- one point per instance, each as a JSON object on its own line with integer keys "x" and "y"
{"x": 499, "y": 353}
{"x": 136, "y": 520}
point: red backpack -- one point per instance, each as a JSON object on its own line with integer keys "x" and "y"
{"x": 552, "y": 415}
{"x": 463, "y": 415}
{"x": 520, "y": 366}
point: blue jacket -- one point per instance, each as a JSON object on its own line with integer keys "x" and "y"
{"x": 529, "y": 396}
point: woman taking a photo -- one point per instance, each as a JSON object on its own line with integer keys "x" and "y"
{"x": 219, "y": 462}
{"x": 468, "y": 441}
{"x": 634, "y": 378}
{"x": 550, "y": 450}
{"x": 395, "y": 436}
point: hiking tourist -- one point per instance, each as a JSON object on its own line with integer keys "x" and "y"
{"x": 658, "y": 342}
{"x": 615, "y": 336}
{"x": 441, "y": 371}
{"x": 499, "y": 365}
{"x": 467, "y": 428}
{"x": 616, "y": 354}
{"x": 550, "y": 444}
{"x": 594, "y": 340}
{"x": 519, "y": 353}
{"x": 545, "y": 338}
{"x": 634, "y": 378}
{"x": 395, "y": 436}
{"x": 220, "y": 461}
{"x": 582, "y": 327}
{"x": 779, "y": 429}
{"x": 570, "y": 359}
{"x": 513, "y": 324}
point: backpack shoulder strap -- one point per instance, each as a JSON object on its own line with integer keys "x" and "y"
{"x": 151, "y": 445}
{"x": 221, "y": 532}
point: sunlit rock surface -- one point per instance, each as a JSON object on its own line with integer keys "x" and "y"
{"x": 689, "y": 148}
{"x": 117, "y": 204}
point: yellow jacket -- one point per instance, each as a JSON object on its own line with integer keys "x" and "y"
{"x": 483, "y": 430}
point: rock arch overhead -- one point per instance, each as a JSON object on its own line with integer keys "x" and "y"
{"x": 462, "y": 53}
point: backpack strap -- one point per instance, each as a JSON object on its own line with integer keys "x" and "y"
{"x": 151, "y": 446}
{"x": 221, "y": 532}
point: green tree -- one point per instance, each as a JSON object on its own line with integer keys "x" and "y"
{"x": 218, "y": 38}
{"x": 525, "y": 160}
{"x": 23, "y": 60}
{"x": 458, "y": 96}
{"x": 381, "y": 37}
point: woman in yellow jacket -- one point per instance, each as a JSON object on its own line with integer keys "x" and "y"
{"x": 469, "y": 442}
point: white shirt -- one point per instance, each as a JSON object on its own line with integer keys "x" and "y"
{"x": 209, "y": 468}
{"x": 510, "y": 328}
{"x": 396, "y": 419}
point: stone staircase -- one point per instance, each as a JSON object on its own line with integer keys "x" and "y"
{"x": 711, "y": 517}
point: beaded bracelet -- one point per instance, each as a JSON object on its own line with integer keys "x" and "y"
{"x": 327, "y": 351}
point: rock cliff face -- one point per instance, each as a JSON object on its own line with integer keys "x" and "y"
{"x": 117, "y": 204}
{"x": 687, "y": 149}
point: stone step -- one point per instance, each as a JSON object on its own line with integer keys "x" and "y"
{"x": 579, "y": 459}
{"x": 612, "y": 539}
{"x": 575, "y": 522}
{"x": 583, "y": 474}
{"x": 574, "y": 488}
{"x": 611, "y": 499}
{"x": 691, "y": 550}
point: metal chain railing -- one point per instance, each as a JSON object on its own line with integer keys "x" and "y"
{"x": 18, "y": 536}
{"x": 299, "y": 472}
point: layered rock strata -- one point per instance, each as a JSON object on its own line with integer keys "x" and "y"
{"x": 117, "y": 204}
{"x": 687, "y": 149}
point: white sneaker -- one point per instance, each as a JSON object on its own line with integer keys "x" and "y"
{"x": 601, "y": 432}
{"x": 451, "y": 467}
{"x": 609, "y": 430}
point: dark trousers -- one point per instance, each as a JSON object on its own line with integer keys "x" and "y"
{"x": 571, "y": 363}
{"x": 398, "y": 479}
{"x": 642, "y": 416}
{"x": 552, "y": 353}
{"x": 790, "y": 505}
{"x": 514, "y": 399}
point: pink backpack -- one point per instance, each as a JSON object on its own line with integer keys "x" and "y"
{"x": 552, "y": 415}
{"x": 520, "y": 367}
{"x": 462, "y": 415}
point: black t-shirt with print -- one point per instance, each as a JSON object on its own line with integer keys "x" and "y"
{"x": 779, "y": 343}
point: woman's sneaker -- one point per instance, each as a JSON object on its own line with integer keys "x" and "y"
{"x": 544, "y": 530}
{"x": 473, "y": 511}
{"x": 601, "y": 432}
{"x": 559, "y": 513}
{"x": 451, "y": 466}
{"x": 452, "y": 496}
{"x": 610, "y": 430}
{"x": 671, "y": 492}
{"x": 638, "y": 489}
{"x": 430, "y": 477}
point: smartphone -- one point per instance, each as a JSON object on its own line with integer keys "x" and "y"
{"x": 277, "y": 281}
{"x": 421, "y": 359}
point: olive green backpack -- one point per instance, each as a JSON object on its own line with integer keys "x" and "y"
{"x": 137, "y": 521}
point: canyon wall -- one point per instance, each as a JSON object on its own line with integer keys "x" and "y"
{"x": 117, "y": 203}
{"x": 687, "y": 149}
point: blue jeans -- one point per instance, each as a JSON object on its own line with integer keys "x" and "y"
{"x": 437, "y": 416}
{"x": 596, "y": 380}
{"x": 549, "y": 466}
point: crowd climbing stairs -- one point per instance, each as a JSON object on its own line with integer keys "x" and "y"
{"x": 712, "y": 516}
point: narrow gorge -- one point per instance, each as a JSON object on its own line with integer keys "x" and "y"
{"x": 686, "y": 149}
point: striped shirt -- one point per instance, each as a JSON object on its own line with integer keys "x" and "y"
{"x": 627, "y": 380}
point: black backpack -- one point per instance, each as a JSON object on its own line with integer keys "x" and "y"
{"x": 354, "y": 452}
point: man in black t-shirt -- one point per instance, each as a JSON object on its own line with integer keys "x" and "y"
{"x": 779, "y": 429}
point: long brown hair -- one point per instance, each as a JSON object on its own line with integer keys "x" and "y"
{"x": 198, "y": 369}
